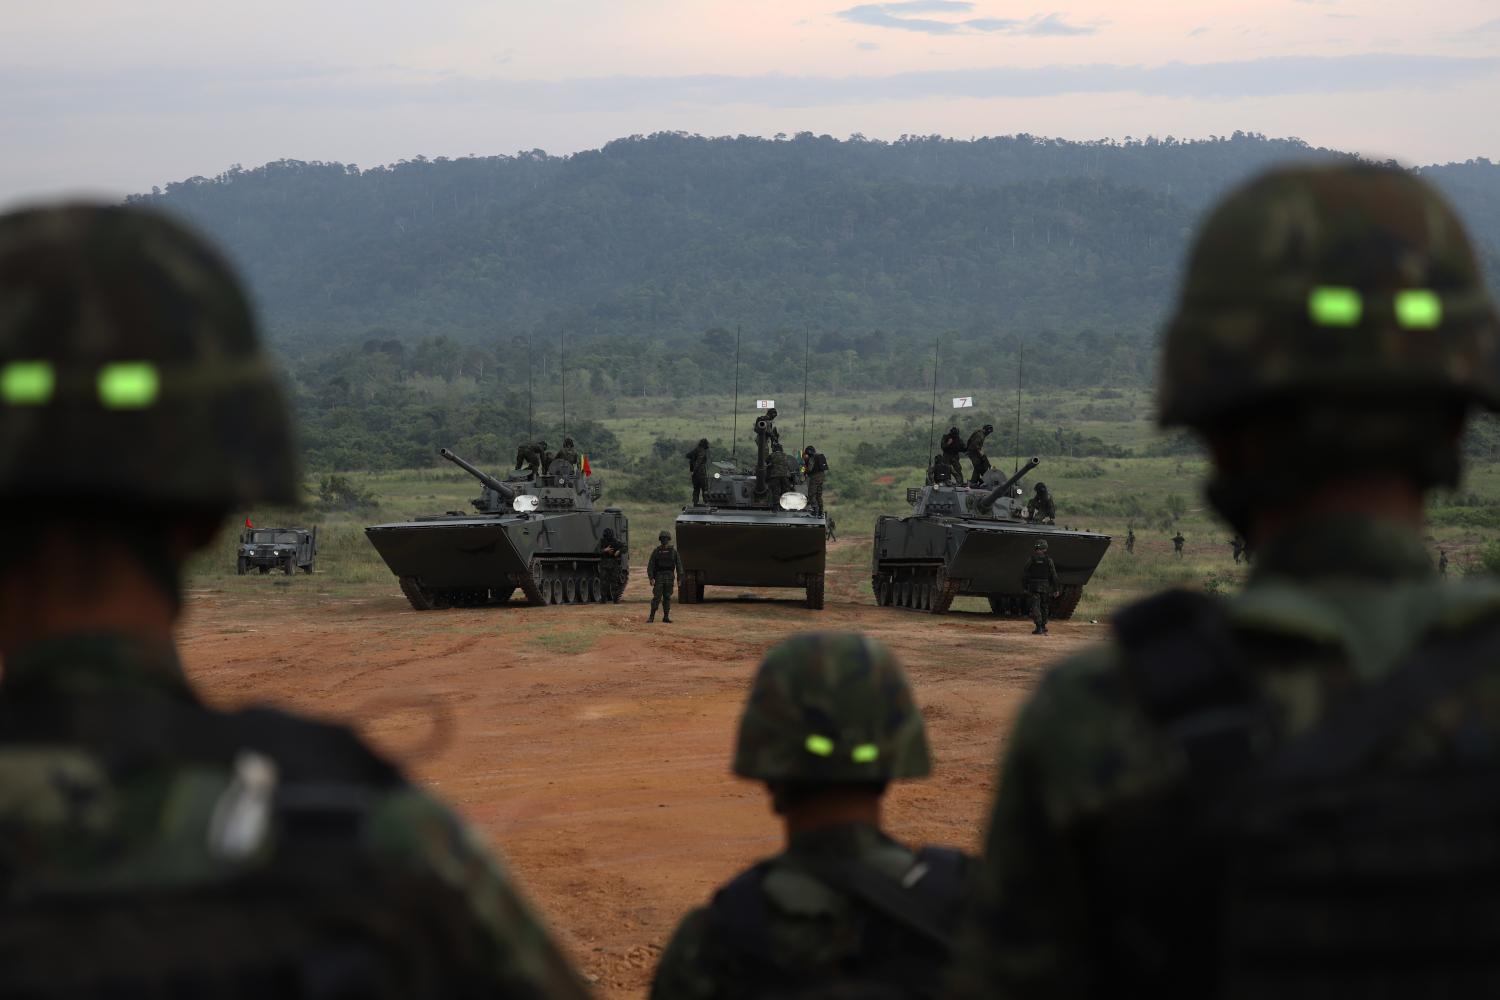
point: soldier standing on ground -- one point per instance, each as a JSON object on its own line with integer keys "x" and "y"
{"x": 612, "y": 556}
{"x": 1040, "y": 506}
{"x": 952, "y": 447}
{"x": 977, "y": 457}
{"x": 844, "y": 910}
{"x": 778, "y": 473}
{"x": 1237, "y": 546}
{"x": 250, "y": 852}
{"x": 1442, "y": 564}
{"x": 665, "y": 570}
{"x": 697, "y": 461}
{"x": 1039, "y": 580}
{"x": 1177, "y": 543}
{"x": 1289, "y": 792}
{"x": 815, "y": 467}
{"x": 1130, "y": 541}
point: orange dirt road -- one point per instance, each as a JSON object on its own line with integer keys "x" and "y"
{"x": 593, "y": 749}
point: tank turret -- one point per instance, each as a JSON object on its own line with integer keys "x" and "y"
{"x": 504, "y": 493}
{"x": 988, "y": 500}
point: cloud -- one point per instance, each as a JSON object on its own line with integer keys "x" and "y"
{"x": 866, "y": 46}
{"x": 895, "y": 15}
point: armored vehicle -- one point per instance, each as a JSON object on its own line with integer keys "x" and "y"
{"x": 286, "y": 549}
{"x": 743, "y": 535}
{"x": 975, "y": 541}
{"x": 536, "y": 534}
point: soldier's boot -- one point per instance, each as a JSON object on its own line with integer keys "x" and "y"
{"x": 666, "y": 611}
{"x": 652, "y": 617}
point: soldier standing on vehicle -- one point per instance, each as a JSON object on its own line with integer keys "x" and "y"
{"x": 697, "y": 461}
{"x": 612, "y": 556}
{"x": 567, "y": 453}
{"x": 665, "y": 570}
{"x": 1039, "y": 580}
{"x": 1130, "y": 541}
{"x": 815, "y": 468}
{"x": 531, "y": 455}
{"x": 844, "y": 910}
{"x": 1040, "y": 507}
{"x": 198, "y": 852}
{"x": 952, "y": 447}
{"x": 940, "y": 474}
{"x": 1177, "y": 543}
{"x": 1288, "y": 793}
{"x": 778, "y": 473}
{"x": 977, "y": 458}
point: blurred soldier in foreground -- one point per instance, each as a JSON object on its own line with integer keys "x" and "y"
{"x": 697, "y": 461}
{"x": 778, "y": 473}
{"x": 612, "y": 556}
{"x": 533, "y": 455}
{"x": 151, "y": 845}
{"x": 952, "y": 447}
{"x": 664, "y": 569}
{"x": 977, "y": 457}
{"x": 1040, "y": 507}
{"x": 1290, "y": 793}
{"x": 844, "y": 910}
{"x": 815, "y": 467}
{"x": 567, "y": 453}
{"x": 1039, "y": 579}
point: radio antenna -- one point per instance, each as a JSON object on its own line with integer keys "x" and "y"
{"x": 1020, "y": 369}
{"x": 530, "y": 430}
{"x": 734, "y": 435}
{"x": 806, "y": 356}
{"x": 562, "y": 357}
{"x": 932, "y": 427}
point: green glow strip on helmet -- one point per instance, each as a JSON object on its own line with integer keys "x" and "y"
{"x": 1330, "y": 305}
{"x": 129, "y": 385}
{"x": 27, "y": 383}
{"x": 1419, "y": 309}
{"x": 865, "y": 753}
{"x": 820, "y": 746}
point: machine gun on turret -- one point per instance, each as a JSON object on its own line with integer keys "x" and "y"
{"x": 993, "y": 496}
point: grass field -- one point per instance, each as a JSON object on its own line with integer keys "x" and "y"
{"x": 1159, "y": 496}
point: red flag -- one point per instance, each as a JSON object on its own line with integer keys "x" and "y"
{"x": 586, "y": 470}
{"x": 248, "y": 524}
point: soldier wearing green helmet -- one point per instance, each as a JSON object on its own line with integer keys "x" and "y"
{"x": 1281, "y": 793}
{"x": 151, "y": 845}
{"x": 844, "y": 910}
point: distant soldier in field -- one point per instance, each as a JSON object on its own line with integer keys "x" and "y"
{"x": 152, "y": 845}
{"x": 843, "y": 910}
{"x": 778, "y": 473}
{"x": 1130, "y": 541}
{"x": 664, "y": 569}
{"x": 1040, "y": 506}
{"x": 1177, "y": 543}
{"x": 567, "y": 453}
{"x": 1039, "y": 581}
{"x": 1289, "y": 792}
{"x": 1237, "y": 546}
{"x": 697, "y": 461}
{"x": 1442, "y": 564}
{"x": 612, "y": 557}
{"x": 977, "y": 458}
{"x": 815, "y": 468}
{"x": 533, "y": 455}
{"x": 952, "y": 447}
{"x": 832, "y": 529}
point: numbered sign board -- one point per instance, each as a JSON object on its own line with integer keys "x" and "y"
{"x": 962, "y": 402}
{"x": 765, "y": 404}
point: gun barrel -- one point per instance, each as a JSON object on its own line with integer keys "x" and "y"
{"x": 1004, "y": 488}
{"x": 484, "y": 477}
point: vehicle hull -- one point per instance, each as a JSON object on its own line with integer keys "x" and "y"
{"x": 752, "y": 548}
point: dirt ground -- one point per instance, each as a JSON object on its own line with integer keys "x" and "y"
{"x": 593, "y": 749}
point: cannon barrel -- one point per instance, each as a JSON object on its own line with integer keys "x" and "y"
{"x": 1004, "y": 488}
{"x": 484, "y": 477}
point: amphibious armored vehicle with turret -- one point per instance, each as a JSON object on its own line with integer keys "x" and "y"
{"x": 744, "y": 535}
{"x": 975, "y": 541}
{"x": 536, "y": 534}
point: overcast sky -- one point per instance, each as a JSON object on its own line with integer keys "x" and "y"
{"x": 113, "y": 96}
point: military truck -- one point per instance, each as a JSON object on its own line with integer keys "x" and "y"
{"x": 975, "y": 541}
{"x": 741, "y": 536}
{"x": 287, "y": 549}
{"x": 538, "y": 534}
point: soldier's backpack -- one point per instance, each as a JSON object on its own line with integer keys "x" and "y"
{"x": 907, "y": 930}
{"x": 819, "y": 463}
{"x": 1313, "y": 868}
{"x": 315, "y": 921}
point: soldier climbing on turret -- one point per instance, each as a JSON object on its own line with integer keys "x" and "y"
{"x": 778, "y": 473}
{"x": 1040, "y": 507}
{"x": 952, "y": 447}
{"x": 567, "y": 453}
{"x": 1039, "y": 580}
{"x": 612, "y": 554}
{"x": 977, "y": 457}
{"x": 697, "y": 461}
{"x": 532, "y": 455}
{"x": 815, "y": 468}
{"x": 665, "y": 570}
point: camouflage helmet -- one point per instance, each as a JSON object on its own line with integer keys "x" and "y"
{"x": 1041, "y": 545}
{"x": 665, "y": 536}
{"x": 1342, "y": 281}
{"x": 831, "y": 707}
{"x": 130, "y": 367}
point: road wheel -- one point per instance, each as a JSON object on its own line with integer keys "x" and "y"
{"x": 288, "y": 567}
{"x": 240, "y": 565}
{"x": 263, "y": 570}
{"x": 307, "y": 569}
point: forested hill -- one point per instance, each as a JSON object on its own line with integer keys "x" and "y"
{"x": 670, "y": 235}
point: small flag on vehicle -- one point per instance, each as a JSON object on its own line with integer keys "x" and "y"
{"x": 962, "y": 402}
{"x": 586, "y": 470}
{"x": 248, "y": 524}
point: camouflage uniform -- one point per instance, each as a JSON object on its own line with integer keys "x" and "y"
{"x": 567, "y": 453}
{"x": 1442, "y": 564}
{"x": 1276, "y": 795}
{"x": 533, "y": 455}
{"x": 612, "y": 559}
{"x": 199, "y": 852}
{"x": 844, "y": 910}
{"x": 1039, "y": 579}
{"x": 697, "y": 461}
{"x": 1177, "y": 543}
{"x": 778, "y": 473}
{"x": 664, "y": 568}
{"x": 1130, "y": 541}
{"x": 815, "y": 466}
{"x": 1040, "y": 506}
{"x": 977, "y": 457}
{"x": 952, "y": 447}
